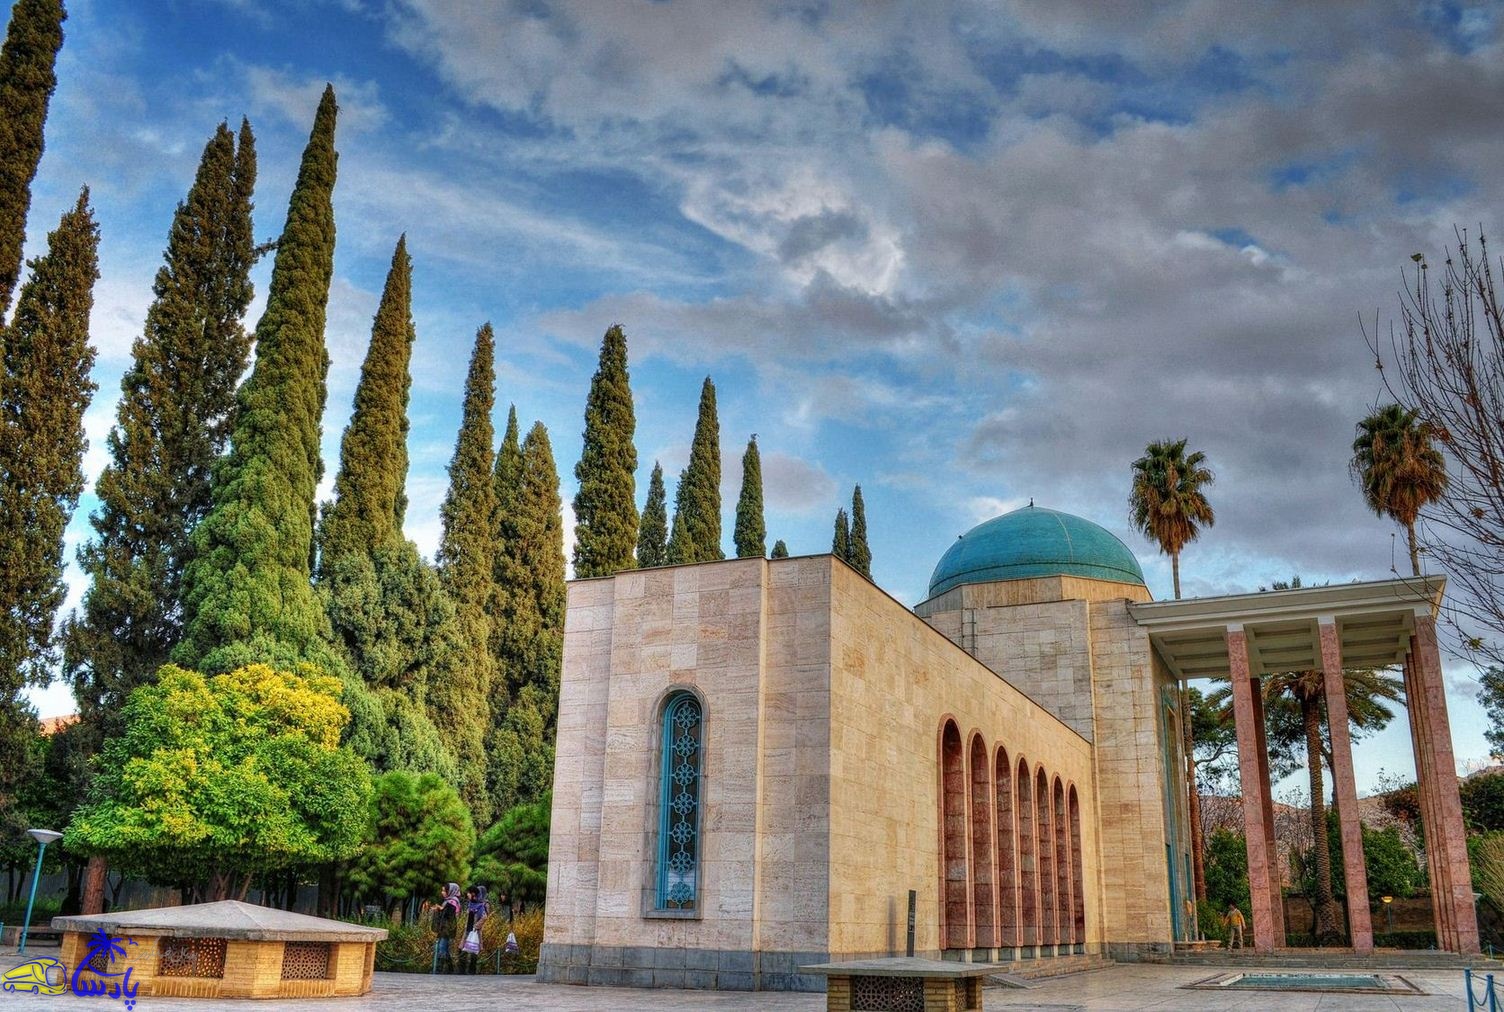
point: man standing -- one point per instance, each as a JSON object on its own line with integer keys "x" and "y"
{"x": 1235, "y": 925}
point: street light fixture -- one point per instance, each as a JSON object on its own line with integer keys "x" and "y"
{"x": 1389, "y": 911}
{"x": 43, "y": 837}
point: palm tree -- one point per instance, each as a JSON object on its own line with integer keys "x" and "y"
{"x": 1398, "y": 468}
{"x": 1166, "y": 502}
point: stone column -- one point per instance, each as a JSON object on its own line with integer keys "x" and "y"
{"x": 1435, "y": 865}
{"x": 1266, "y": 801}
{"x": 1344, "y": 789}
{"x": 1445, "y": 833}
{"x": 1245, "y": 720}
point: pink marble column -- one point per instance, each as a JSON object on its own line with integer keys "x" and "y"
{"x": 1345, "y": 790}
{"x": 1266, "y": 800}
{"x": 1244, "y": 718}
{"x": 1435, "y": 863}
{"x": 1449, "y": 836}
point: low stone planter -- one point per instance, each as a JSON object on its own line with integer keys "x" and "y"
{"x": 227, "y": 950}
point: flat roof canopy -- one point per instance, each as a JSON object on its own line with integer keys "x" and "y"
{"x": 1374, "y": 622}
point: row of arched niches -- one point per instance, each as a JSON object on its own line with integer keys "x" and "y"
{"x": 1011, "y": 862}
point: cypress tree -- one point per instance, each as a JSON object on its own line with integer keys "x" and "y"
{"x": 44, "y": 391}
{"x": 652, "y": 533}
{"x": 506, "y": 482}
{"x": 532, "y": 627}
{"x": 27, "y": 79}
{"x": 176, "y": 407}
{"x": 780, "y": 550}
{"x": 751, "y": 531}
{"x": 462, "y": 704}
{"x": 840, "y": 545}
{"x": 860, "y": 555}
{"x": 605, "y": 507}
{"x": 369, "y": 498}
{"x": 247, "y": 591}
{"x": 698, "y": 499}
{"x": 680, "y": 548}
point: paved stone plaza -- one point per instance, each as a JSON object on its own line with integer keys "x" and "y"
{"x": 1123, "y": 987}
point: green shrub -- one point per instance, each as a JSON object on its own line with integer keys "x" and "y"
{"x": 1209, "y": 919}
{"x": 1405, "y": 939}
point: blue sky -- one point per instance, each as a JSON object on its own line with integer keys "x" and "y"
{"x": 962, "y": 254}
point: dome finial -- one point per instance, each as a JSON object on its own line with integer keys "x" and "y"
{"x": 1031, "y": 502}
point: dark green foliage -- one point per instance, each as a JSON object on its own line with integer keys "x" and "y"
{"x": 418, "y": 833}
{"x": 176, "y": 409}
{"x": 1483, "y": 802}
{"x": 512, "y": 856}
{"x": 1167, "y": 501}
{"x": 1227, "y": 871}
{"x": 751, "y": 530}
{"x": 680, "y": 548}
{"x": 531, "y": 575}
{"x": 780, "y": 550}
{"x": 860, "y": 553}
{"x": 840, "y": 542}
{"x": 605, "y": 508}
{"x": 369, "y": 501}
{"x": 1491, "y": 695}
{"x": 27, "y": 79}
{"x": 530, "y": 641}
{"x": 652, "y": 532}
{"x": 1392, "y": 868}
{"x": 462, "y": 703}
{"x": 246, "y": 592}
{"x": 698, "y": 499}
{"x": 44, "y": 391}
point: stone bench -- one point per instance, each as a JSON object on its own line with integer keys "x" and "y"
{"x": 903, "y": 983}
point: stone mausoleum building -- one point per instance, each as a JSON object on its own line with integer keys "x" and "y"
{"x": 759, "y": 759}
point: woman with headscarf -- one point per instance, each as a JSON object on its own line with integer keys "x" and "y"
{"x": 446, "y": 917}
{"x": 476, "y": 911}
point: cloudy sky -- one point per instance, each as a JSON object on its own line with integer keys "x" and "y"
{"x": 964, "y": 255}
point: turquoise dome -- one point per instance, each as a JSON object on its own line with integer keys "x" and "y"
{"x": 1033, "y": 542}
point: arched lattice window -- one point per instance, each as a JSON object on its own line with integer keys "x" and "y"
{"x": 679, "y": 817}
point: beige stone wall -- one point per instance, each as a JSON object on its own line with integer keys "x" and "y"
{"x": 629, "y": 642}
{"x": 893, "y": 680}
{"x": 1129, "y": 776}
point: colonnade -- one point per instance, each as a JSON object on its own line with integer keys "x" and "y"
{"x": 1011, "y": 873}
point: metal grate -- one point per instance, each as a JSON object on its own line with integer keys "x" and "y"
{"x": 887, "y": 994}
{"x": 191, "y": 957}
{"x": 305, "y": 961}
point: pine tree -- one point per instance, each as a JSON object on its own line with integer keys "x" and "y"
{"x": 780, "y": 550}
{"x": 652, "y": 533}
{"x": 698, "y": 499}
{"x": 462, "y": 704}
{"x": 247, "y": 591}
{"x": 27, "y": 79}
{"x": 44, "y": 391}
{"x": 751, "y": 531}
{"x": 860, "y": 555}
{"x": 840, "y": 545}
{"x": 176, "y": 408}
{"x": 532, "y": 628}
{"x": 605, "y": 508}
{"x": 680, "y": 548}
{"x": 369, "y": 498}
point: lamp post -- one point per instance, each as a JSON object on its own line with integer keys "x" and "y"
{"x": 43, "y": 837}
{"x": 1389, "y": 911}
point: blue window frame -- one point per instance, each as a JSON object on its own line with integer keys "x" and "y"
{"x": 679, "y": 814}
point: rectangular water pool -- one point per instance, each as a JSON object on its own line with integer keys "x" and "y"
{"x": 1342, "y": 983}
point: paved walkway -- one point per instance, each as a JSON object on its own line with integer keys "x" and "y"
{"x": 1120, "y": 988}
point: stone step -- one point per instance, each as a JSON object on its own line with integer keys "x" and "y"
{"x": 1037, "y": 969}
